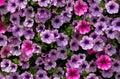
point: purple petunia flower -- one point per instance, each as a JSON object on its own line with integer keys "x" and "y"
{"x": 74, "y": 44}
{"x": 84, "y": 66}
{"x": 29, "y": 12}
{"x": 98, "y": 44}
{"x": 14, "y": 41}
{"x": 14, "y": 75}
{"x": 12, "y": 5}
{"x": 29, "y": 33}
{"x": 21, "y": 12}
{"x": 3, "y": 40}
{"x": 15, "y": 19}
{"x": 62, "y": 51}
{"x": 86, "y": 43}
{"x": 42, "y": 15}
{"x": 94, "y": 35}
{"x": 28, "y": 22}
{"x": 49, "y": 64}
{"x": 92, "y": 76}
{"x": 69, "y": 5}
{"x": 17, "y": 30}
{"x": 53, "y": 54}
{"x": 116, "y": 24}
{"x": 58, "y": 3}
{"x": 3, "y": 9}
{"x": 117, "y": 76}
{"x": 112, "y": 7}
{"x": 74, "y": 61}
{"x": 57, "y": 21}
{"x": 55, "y": 34}
{"x": 13, "y": 67}
{"x": 116, "y": 66}
{"x": 40, "y": 27}
{"x": 24, "y": 64}
{"x": 41, "y": 74}
{"x": 26, "y": 75}
{"x": 93, "y": 2}
{"x": 15, "y": 50}
{"x": 5, "y": 65}
{"x": 62, "y": 40}
{"x": 100, "y": 27}
{"x": 46, "y": 36}
{"x": 66, "y": 16}
{"x": 107, "y": 73}
{"x": 22, "y": 3}
{"x": 104, "y": 19}
{"x": 2, "y": 76}
{"x": 96, "y": 10}
{"x": 43, "y": 3}
{"x": 39, "y": 61}
{"x": 110, "y": 32}
{"x": 110, "y": 49}
{"x": 37, "y": 48}
{"x": 92, "y": 66}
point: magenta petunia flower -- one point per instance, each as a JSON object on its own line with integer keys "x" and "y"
{"x": 91, "y": 51}
{"x": 80, "y": 7}
{"x": 72, "y": 73}
{"x": 2, "y": 28}
{"x": 2, "y": 2}
{"x": 83, "y": 27}
{"x": 27, "y": 47}
{"x": 104, "y": 62}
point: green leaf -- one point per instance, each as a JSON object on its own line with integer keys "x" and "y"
{"x": 69, "y": 53}
{"x": 53, "y": 70}
{"x": 16, "y": 61}
{"x": 84, "y": 73}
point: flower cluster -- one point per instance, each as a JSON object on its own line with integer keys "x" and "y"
{"x": 59, "y": 39}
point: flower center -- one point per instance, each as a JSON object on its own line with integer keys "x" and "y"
{"x": 112, "y": 6}
{"x": 40, "y": 75}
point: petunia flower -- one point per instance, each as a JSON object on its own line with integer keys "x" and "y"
{"x": 2, "y": 2}
{"x": 80, "y": 7}
{"x": 83, "y": 27}
{"x": 72, "y": 73}
{"x": 27, "y": 47}
{"x": 104, "y": 62}
{"x": 112, "y": 7}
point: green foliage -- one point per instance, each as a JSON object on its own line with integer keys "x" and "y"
{"x": 53, "y": 70}
{"x": 16, "y": 61}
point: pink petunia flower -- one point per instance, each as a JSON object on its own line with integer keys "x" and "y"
{"x": 5, "y": 51}
{"x": 104, "y": 62}
{"x": 72, "y": 73}
{"x": 2, "y": 28}
{"x": 2, "y": 2}
{"x": 83, "y": 27}
{"x": 80, "y": 7}
{"x": 91, "y": 51}
{"x": 27, "y": 47}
